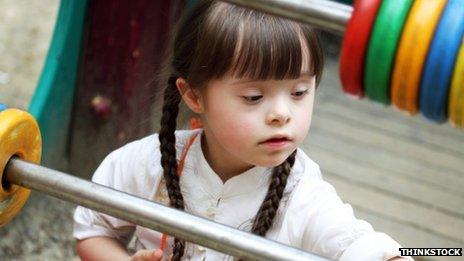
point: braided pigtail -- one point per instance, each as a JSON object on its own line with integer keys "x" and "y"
{"x": 268, "y": 209}
{"x": 167, "y": 140}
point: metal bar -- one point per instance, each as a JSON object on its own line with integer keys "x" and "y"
{"x": 327, "y": 15}
{"x": 150, "y": 214}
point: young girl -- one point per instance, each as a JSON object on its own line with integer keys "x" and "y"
{"x": 251, "y": 78}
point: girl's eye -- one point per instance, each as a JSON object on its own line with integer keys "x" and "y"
{"x": 252, "y": 98}
{"x": 301, "y": 93}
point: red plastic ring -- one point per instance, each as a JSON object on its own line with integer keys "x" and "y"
{"x": 355, "y": 46}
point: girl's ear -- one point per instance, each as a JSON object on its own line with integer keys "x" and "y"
{"x": 190, "y": 96}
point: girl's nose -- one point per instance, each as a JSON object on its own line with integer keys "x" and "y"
{"x": 278, "y": 114}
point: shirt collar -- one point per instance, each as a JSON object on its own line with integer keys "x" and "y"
{"x": 247, "y": 182}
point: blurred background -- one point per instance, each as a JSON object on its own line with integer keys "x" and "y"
{"x": 402, "y": 174}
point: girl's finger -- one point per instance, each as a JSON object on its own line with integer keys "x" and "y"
{"x": 167, "y": 258}
{"x": 149, "y": 255}
{"x": 156, "y": 255}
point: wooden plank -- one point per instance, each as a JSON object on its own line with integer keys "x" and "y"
{"x": 385, "y": 161}
{"x": 441, "y": 161}
{"x": 427, "y": 219}
{"x": 407, "y": 236}
{"x": 391, "y": 185}
{"x": 415, "y": 127}
{"x": 438, "y": 141}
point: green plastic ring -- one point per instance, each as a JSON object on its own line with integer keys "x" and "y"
{"x": 382, "y": 48}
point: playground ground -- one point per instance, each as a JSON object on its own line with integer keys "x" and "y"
{"x": 402, "y": 174}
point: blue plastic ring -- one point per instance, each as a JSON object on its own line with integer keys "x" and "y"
{"x": 438, "y": 69}
{"x": 3, "y": 107}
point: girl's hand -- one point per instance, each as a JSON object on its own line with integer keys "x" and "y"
{"x": 148, "y": 255}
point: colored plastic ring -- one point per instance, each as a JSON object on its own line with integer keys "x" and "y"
{"x": 382, "y": 48}
{"x": 412, "y": 52}
{"x": 456, "y": 97}
{"x": 355, "y": 45}
{"x": 3, "y": 107}
{"x": 19, "y": 136}
{"x": 438, "y": 69}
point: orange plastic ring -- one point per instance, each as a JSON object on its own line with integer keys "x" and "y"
{"x": 456, "y": 96}
{"x": 412, "y": 53}
{"x": 19, "y": 136}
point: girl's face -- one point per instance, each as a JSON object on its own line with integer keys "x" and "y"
{"x": 239, "y": 115}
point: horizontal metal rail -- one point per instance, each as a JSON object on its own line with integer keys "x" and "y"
{"x": 328, "y": 15}
{"x": 150, "y": 214}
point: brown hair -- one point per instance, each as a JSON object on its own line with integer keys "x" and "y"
{"x": 216, "y": 38}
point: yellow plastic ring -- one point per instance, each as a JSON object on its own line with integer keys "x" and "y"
{"x": 456, "y": 96}
{"x": 19, "y": 136}
{"x": 412, "y": 53}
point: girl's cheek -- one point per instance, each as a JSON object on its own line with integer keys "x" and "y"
{"x": 235, "y": 117}
{"x": 248, "y": 124}
{"x": 305, "y": 118}
{"x": 238, "y": 131}
{"x": 239, "y": 127}
{"x": 233, "y": 120}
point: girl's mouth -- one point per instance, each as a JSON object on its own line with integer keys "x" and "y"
{"x": 277, "y": 140}
{"x": 276, "y": 143}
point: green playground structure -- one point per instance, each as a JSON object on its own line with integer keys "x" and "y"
{"x": 52, "y": 102}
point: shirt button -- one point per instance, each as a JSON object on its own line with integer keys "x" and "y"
{"x": 210, "y": 212}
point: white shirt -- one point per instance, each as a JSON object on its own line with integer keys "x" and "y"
{"x": 311, "y": 216}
